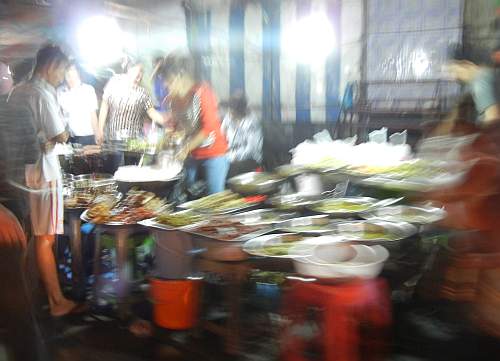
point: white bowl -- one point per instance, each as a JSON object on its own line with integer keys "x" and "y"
{"x": 338, "y": 261}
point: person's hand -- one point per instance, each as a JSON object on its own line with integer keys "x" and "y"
{"x": 48, "y": 146}
{"x": 11, "y": 232}
{"x": 182, "y": 154}
{"x": 99, "y": 138}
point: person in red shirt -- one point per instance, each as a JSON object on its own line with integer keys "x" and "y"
{"x": 194, "y": 110}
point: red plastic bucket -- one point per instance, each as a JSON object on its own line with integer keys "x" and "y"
{"x": 175, "y": 303}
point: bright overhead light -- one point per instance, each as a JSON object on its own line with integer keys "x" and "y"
{"x": 100, "y": 41}
{"x": 309, "y": 40}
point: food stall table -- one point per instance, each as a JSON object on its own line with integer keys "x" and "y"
{"x": 235, "y": 274}
{"x": 122, "y": 234}
{"x": 77, "y": 266}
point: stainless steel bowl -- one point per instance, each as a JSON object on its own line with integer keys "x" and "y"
{"x": 255, "y": 183}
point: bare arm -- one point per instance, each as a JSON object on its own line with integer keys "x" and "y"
{"x": 491, "y": 114}
{"x": 193, "y": 143}
{"x": 103, "y": 115}
{"x": 156, "y": 116}
{"x": 95, "y": 122}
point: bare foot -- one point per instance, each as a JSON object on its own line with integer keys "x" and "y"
{"x": 62, "y": 307}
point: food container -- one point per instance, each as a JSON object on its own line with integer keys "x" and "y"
{"x": 349, "y": 206}
{"x": 290, "y": 170}
{"x": 175, "y": 303}
{"x": 255, "y": 183}
{"x": 308, "y": 225}
{"x": 421, "y": 215}
{"x": 293, "y": 202}
{"x": 376, "y": 232}
{"x": 161, "y": 185}
{"x": 336, "y": 260}
{"x": 259, "y": 246}
{"x": 262, "y": 216}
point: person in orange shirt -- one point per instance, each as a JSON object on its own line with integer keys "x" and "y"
{"x": 194, "y": 110}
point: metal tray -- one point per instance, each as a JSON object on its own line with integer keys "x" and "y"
{"x": 255, "y": 246}
{"x": 322, "y": 225}
{"x": 428, "y": 214}
{"x": 353, "y": 231}
{"x": 85, "y": 218}
{"x": 258, "y": 217}
{"x": 245, "y": 207}
{"x": 371, "y": 203}
{"x": 255, "y": 183}
{"x": 151, "y": 222}
{"x": 242, "y": 238}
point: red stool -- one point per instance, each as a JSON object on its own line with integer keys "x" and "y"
{"x": 346, "y": 308}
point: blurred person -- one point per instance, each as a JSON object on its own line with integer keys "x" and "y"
{"x": 43, "y": 178}
{"x": 479, "y": 80}
{"x": 194, "y": 111}
{"x": 125, "y": 105}
{"x": 18, "y": 147}
{"x": 244, "y": 136}
{"x": 79, "y": 104}
{"x": 160, "y": 91}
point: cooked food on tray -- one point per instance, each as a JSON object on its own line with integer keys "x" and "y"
{"x": 274, "y": 245}
{"x": 342, "y": 206}
{"x": 137, "y": 206}
{"x": 179, "y": 219}
{"x": 375, "y": 230}
{"x": 225, "y": 229}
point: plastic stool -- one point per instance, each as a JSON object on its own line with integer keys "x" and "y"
{"x": 346, "y": 308}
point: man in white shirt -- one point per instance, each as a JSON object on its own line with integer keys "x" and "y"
{"x": 38, "y": 98}
{"x": 79, "y": 104}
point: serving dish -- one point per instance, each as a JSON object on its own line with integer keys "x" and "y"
{"x": 308, "y": 225}
{"x": 292, "y": 202}
{"x": 374, "y": 231}
{"x": 254, "y": 183}
{"x": 349, "y": 206}
{"x": 420, "y": 215}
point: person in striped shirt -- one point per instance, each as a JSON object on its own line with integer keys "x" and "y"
{"x": 125, "y": 106}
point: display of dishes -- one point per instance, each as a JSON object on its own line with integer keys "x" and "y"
{"x": 137, "y": 206}
{"x": 255, "y": 183}
{"x": 221, "y": 203}
{"x": 415, "y": 215}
